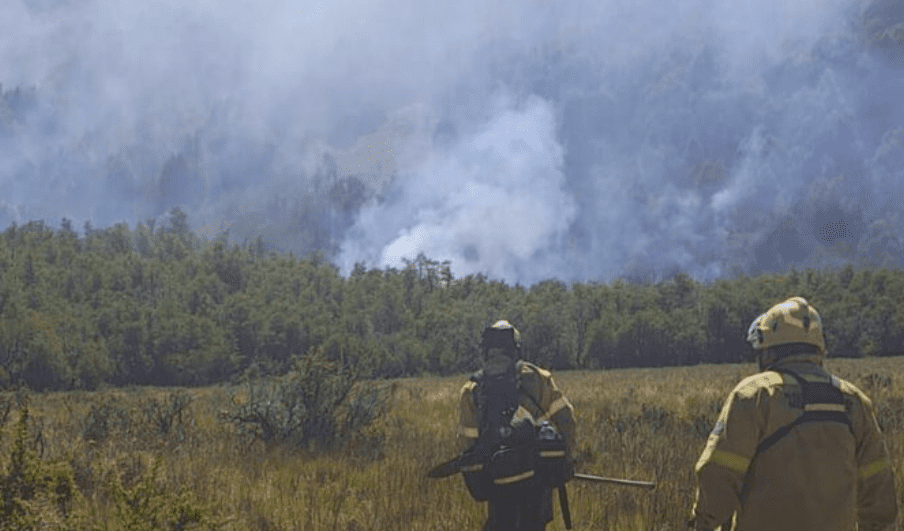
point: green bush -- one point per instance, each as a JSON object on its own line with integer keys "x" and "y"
{"x": 142, "y": 501}
{"x": 106, "y": 419}
{"x": 319, "y": 405}
{"x": 35, "y": 494}
{"x": 152, "y": 421}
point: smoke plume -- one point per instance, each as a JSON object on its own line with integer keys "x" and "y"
{"x": 523, "y": 140}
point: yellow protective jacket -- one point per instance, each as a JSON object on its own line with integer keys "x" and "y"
{"x": 539, "y": 398}
{"x": 819, "y": 475}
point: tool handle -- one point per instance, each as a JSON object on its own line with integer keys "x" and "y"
{"x": 563, "y": 504}
{"x": 616, "y": 481}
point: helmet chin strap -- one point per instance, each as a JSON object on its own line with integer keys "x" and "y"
{"x": 762, "y": 362}
{"x": 767, "y": 357}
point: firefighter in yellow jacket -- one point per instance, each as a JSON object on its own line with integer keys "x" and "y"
{"x": 794, "y": 448}
{"x": 536, "y": 398}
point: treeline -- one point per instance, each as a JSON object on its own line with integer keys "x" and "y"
{"x": 161, "y": 306}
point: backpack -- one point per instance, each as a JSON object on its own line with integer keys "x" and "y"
{"x": 553, "y": 468}
{"x": 511, "y": 456}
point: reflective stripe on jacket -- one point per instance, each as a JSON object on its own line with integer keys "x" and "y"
{"x": 823, "y": 475}
{"x": 539, "y": 398}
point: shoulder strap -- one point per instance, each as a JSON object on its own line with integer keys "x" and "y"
{"x": 524, "y": 392}
{"x": 476, "y": 397}
{"x": 821, "y": 402}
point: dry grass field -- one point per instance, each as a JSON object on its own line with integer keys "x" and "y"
{"x": 634, "y": 423}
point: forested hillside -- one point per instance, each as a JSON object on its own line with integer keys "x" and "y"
{"x": 159, "y": 305}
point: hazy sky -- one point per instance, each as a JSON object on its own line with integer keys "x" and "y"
{"x": 524, "y": 139}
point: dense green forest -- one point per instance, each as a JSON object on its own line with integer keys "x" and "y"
{"x": 158, "y": 305}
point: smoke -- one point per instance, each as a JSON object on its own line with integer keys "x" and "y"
{"x": 523, "y": 140}
{"x": 494, "y": 200}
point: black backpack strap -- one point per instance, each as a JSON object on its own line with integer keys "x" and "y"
{"x": 821, "y": 402}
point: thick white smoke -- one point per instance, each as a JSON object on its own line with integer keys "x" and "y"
{"x": 491, "y": 202}
{"x": 523, "y": 139}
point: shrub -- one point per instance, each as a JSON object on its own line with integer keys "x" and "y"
{"x": 10, "y": 401}
{"x": 34, "y": 494}
{"x": 317, "y": 406}
{"x": 142, "y": 501}
{"x": 152, "y": 420}
{"x": 105, "y": 419}
{"x": 167, "y": 416}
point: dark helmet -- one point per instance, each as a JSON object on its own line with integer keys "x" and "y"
{"x": 501, "y": 335}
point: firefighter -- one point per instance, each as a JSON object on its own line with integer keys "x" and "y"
{"x": 534, "y": 397}
{"x": 794, "y": 447}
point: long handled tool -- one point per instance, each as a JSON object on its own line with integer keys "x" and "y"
{"x": 563, "y": 504}
{"x": 563, "y": 494}
{"x": 616, "y": 481}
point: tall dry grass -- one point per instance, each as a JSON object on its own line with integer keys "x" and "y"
{"x": 632, "y": 423}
